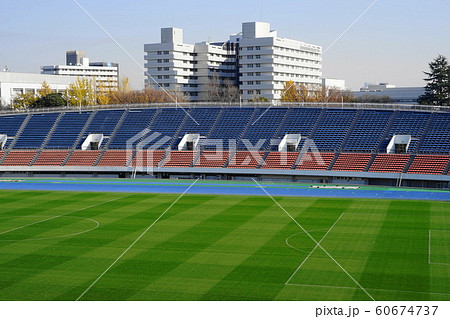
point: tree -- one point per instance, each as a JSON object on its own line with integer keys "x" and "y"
{"x": 24, "y": 100}
{"x": 222, "y": 91}
{"x": 45, "y": 89}
{"x": 81, "y": 93}
{"x": 290, "y": 93}
{"x": 372, "y": 98}
{"x": 437, "y": 90}
{"x": 49, "y": 100}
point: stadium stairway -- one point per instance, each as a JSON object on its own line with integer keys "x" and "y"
{"x": 21, "y": 129}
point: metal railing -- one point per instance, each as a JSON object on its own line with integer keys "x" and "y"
{"x": 189, "y": 105}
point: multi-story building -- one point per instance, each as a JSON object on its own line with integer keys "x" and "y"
{"x": 179, "y": 67}
{"x": 104, "y": 74}
{"x": 256, "y": 60}
{"x": 12, "y": 84}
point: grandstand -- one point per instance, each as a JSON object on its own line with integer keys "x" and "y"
{"x": 349, "y": 144}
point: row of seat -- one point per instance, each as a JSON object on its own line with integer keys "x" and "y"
{"x": 358, "y": 162}
{"x": 333, "y": 130}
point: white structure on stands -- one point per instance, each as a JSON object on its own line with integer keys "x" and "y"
{"x": 105, "y": 74}
{"x": 12, "y": 83}
{"x": 256, "y": 60}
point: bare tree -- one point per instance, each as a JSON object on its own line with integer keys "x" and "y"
{"x": 222, "y": 91}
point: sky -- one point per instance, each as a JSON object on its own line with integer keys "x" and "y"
{"x": 393, "y": 42}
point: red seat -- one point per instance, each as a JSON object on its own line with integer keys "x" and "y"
{"x": 179, "y": 159}
{"x": 246, "y": 159}
{"x": 352, "y": 162}
{"x": 389, "y": 163}
{"x": 429, "y": 164}
{"x": 51, "y": 158}
{"x": 19, "y": 158}
{"x": 83, "y": 158}
{"x": 280, "y": 160}
{"x": 315, "y": 161}
{"x": 115, "y": 158}
{"x": 212, "y": 159}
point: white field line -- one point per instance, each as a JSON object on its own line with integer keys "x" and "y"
{"x": 376, "y": 289}
{"x": 97, "y": 224}
{"x": 53, "y": 217}
{"x": 315, "y": 241}
{"x": 313, "y": 250}
{"x": 137, "y": 239}
{"x": 293, "y": 247}
{"x": 429, "y": 247}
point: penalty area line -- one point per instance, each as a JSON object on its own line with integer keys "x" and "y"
{"x": 315, "y": 241}
{"x": 136, "y": 240}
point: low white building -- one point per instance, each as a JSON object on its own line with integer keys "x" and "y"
{"x": 104, "y": 74}
{"x": 12, "y": 83}
{"x": 405, "y": 95}
{"x": 256, "y": 60}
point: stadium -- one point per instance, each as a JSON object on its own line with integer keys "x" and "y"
{"x": 225, "y": 202}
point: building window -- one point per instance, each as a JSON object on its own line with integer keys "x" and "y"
{"x": 258, "y": 73}
{"x": 159, "y": 52}
{"x": 258, "y": 82}
{"x": 250, "y": 49}
{"x": 160, "y": 61}
{"x": 166, "y": 76}
{"x": 250, "y": 92}
{"x": 250, "y": 82}
{"x": 166, "y": 52}
{"x": 250, "y": 74}
{"x": 166, "y": 60}
{"x": 258, "y": 48}
{"x": 159, "y": 76}
{"x": 258, "y": 57}
{"x": 258, "y": 65}
{"x": 250, "y": 57}
{"x": 258, "y": 91}
{"x": 160, "y": 69}
{"x": 166, "y": 68}
{"x": 250, "y": 65}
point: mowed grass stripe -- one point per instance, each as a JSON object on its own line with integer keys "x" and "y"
{"x": 399, "y": 258}
{"x": 133, "y": 273}
{"x": 250, "y": 255}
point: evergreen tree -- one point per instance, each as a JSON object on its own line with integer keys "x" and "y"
{"x": 437, "y": 90}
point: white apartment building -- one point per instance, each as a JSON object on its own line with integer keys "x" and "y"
{"x": 267, "y": 62}
{"x": 105, "y": 74}
{"x": 256, "y": 60}
{"x": 12, "y": 84}
{"x": 179, "y": 67}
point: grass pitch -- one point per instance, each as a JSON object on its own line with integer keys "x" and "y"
{"x": 54, "y": 245}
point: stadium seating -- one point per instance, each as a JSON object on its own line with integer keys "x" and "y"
{"x": 104, "y": 122}
{"x": 68, "y": 129}
{"x": 115, "y": 158}
{"x": 167, "y": 123}
{"x": 347, "y": 139}
{"x": 315, "y": 161}
{"x": 407, "y": 123}
{"x": 280, "y": 160}
{"x": 51, "y": 158}
{"x": 246, "y": 159}
{"x": 199, "y": 121}
{"x": 9, "y": 125}
{"x": 231, "y": 125}
{"x": 428, "y": 164}
{"x": 179, "y": 159}
{"x": 147, "y": 158}
{"x": 36, "y": 131}
{"x": 135, "y": 121}
{"x": 351, "y": 162}
{"x": 263, "y": 128}
{"x": 438, "y": 137}
{"x": 333, "y": 128}
{"x": 83, "y": 158}
{"x": 389, "y": 163}
{"x": 19, "y": 158}
{"x": 368, "y": 131}
{"x": 212, "y": 159}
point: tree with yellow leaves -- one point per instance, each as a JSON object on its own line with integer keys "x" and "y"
{"x": 45, "y": 89}
{"x": 290, "y": 92}
{"x": 81, "y": 93}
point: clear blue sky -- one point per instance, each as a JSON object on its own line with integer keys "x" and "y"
{"x": 392, "y": 43}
